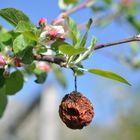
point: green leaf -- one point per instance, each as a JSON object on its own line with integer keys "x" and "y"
{"x": 28, "y": 56}
{"x": 5, "y": 36}
{"x": 2, "y": 79}
{"x": 71, "y": 1}
{"x": 21, "y": 43}
{"x": 108, "y": 74}
{"x": 74, "y": 33}
{"x": 41, "y": 49}
{"x": 27, "y": 29}
{"x": 70, "y": 50}
{"x": 2, "y": 46}
{"x": 3, "y": 103}
{"x": 89, "y": 23}
{"x": 31, "y": 35}
{"x": 24, "y": 26}
{"x": 55, "y": 45}
{"x": 2, "y": 90}
{"x": 87, "y": 53}
{"x": 59, "y": 75}
{"x": 14, "y": 83}
{"x": 90, "y": 50}
{"x": 13, "y": 16}
{"x": 40, "y": 75}
{"x": 82, "y": 42}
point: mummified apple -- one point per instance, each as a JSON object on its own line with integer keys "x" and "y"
{"x": 75, "y": 110}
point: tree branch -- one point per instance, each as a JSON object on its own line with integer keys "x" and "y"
{"x": 61, "y": 60}
{"x": 131, "y": 39}
{"x": 76, "y": 8}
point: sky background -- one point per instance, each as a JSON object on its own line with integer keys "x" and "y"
{"x": 102, "y": 92}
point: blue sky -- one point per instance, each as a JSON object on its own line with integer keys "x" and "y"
{"x": 99, "y": 90}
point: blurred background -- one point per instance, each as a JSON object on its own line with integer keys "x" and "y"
{"x": 32, "y": 114}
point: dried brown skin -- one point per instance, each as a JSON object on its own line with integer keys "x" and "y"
{"x": 75, "y": 110}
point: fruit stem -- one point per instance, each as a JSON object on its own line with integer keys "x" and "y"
{"x": 75, "y": 82}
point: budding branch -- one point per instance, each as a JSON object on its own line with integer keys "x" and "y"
{"x": 61, "y": 60}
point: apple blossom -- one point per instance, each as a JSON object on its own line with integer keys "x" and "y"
{"x": 52, "y": 34}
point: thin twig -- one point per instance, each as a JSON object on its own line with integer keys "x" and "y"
{"x": 131, "y": 39}
{"x": 76, "y": 8}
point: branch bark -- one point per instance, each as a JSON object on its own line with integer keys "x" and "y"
{"x": 131, "y": 39}
{"x": 60, "y": 60}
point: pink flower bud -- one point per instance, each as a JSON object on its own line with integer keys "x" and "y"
{"x": 43, "y": 66}
{"x": 58, "y": 21}
{"x": 17, "y": 62}
{"x": 42, "y": 22}
{"x": 2, "y": 61}
{"x": 52, "y": 34}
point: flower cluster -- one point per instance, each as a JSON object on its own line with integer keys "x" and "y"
{"x": 52, "y": 32}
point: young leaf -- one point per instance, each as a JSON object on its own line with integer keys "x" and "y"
{"x": 13, "y": 16}
{"x": 70, "y": 50}
{"x": 14, "y": 83}
{"x": 108, "y": 74}
{"x": 87, "y": 53}
{"x": 82, "y": 42}
{"x": 3, "y": 103}
{"x": 90, "y": 50}
{"x": 21, "y": 43}
{"x": 89, "y": 24}
{"x": 75, "y": 34}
